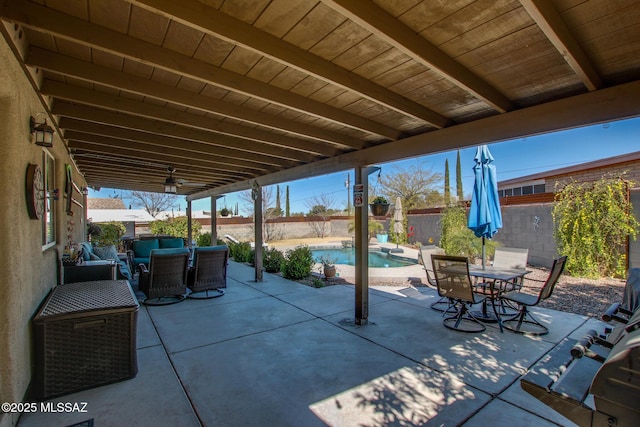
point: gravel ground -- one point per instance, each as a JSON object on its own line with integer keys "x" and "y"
{"x": 571, "y": 294}
{"x": 578, "y": 295}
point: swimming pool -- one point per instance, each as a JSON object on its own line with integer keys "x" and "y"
{"x": 348, "y": 256}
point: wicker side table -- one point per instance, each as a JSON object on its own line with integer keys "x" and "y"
{"x": 85, "y": 336}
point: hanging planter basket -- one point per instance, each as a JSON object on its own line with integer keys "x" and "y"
{"x": 379, "y": 209}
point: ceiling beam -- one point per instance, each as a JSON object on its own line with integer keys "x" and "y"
{"x": 610, "y": 104}
{"x": 106, "y": 101}
{"x": 151, "y": 142}
{"x": 202, "y": 17}
{"x": 153, "y": 153}
{"x": 66, "y": 65}
{"x": 379, "y": 22}
{"x": 58, "y": 24}
{"x": 554, "y": 28}
{"x": 222, "y": 145}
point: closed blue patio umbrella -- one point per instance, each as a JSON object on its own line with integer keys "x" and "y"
{"x": 485, "y": 217}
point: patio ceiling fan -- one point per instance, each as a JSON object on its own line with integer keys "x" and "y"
{"x": 171, "y": 184}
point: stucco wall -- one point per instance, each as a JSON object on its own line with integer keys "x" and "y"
{"x": 523, "y": 226}
{"x": 28, "y": 272}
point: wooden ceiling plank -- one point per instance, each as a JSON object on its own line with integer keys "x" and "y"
{"x": 552, "y": 25}
{"x": 54, "y": 23}
{"x": 214, "y": 22}
{"x": 188, "y": 119}
{"x": 89, "y": 72}
{"x": 95, "y": 168}
{"x": 229, "y": 146}
{"x": 387, "y": 27}
{"x": 143, "y": 135}
{"x": 149, "y": 152}
{"x": 604, "y": 105}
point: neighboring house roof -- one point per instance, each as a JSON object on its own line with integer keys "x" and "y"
{"x": 609, "y": 161}
{"x": 120, "y": 215}
{"x": 105, "y": 203}
{"x": 194, "y": 214}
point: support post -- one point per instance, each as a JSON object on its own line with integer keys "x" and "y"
{"x": 189, "y": 225}
{"x": 362, "y": 246}
{"x": 256, "y": 195}
{"x": 214, "y": 220}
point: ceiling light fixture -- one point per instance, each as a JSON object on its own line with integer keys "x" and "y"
{"x": 170, "y": 184}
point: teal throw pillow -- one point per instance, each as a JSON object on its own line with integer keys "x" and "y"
{"x": 106, "y": 252}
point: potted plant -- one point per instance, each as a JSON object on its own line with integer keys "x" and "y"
{"x": 379, "y": 206}
{"x": 224, "y": 212}
{"x": 382, "y": 237}
{"x": 328, "y": 266}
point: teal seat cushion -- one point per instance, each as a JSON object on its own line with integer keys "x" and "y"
{"x": 169, "y": 251}
{"x": 176, "y": 242}
{"x": 143, "y": 248}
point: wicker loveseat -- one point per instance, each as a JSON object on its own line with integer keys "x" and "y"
{"x": 140, "y": 249}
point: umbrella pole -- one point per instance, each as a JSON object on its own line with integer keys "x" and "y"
{"x": 483, "y": 253}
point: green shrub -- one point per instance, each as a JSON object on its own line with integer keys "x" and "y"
{"x": 177, "y": 227}
{"x": 110, "y": 234}
{"x": 273, "y": 260}
{"x": 241, "y": 252}
{"x": 298, "y": 263}
{"x": 457, "y": 239}
{"x": 592, "y": 224}
{"x": 204, "y": 239}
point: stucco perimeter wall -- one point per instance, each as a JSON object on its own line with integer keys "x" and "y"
{"x": 28, "y": 271}
{"x": 523, "y": 226}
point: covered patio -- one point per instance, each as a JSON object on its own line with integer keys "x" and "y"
{"x": 237, "y": 95}
{"x": 283, "y": 354}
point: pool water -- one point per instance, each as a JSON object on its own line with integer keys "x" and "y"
{"x": 348, "y": 256}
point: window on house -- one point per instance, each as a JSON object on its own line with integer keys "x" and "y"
{"x": 517, "y": 191}
{"x": 527, "y": 189}
{"x": 539, "y": 188}
{"x": 48, "y": 223}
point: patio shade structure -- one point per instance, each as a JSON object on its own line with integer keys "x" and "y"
{"x": 233, "y": 92}
{"x": 398, "y": 227}
{"x": 485, "y": 217}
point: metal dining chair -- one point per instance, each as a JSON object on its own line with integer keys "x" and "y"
{"x": 454, "y": 283}
{"x": 524, "y": 322}
{"x": 443, "y": 303}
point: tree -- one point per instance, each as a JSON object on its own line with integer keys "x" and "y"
{"x": 277, "y": 211}
{"x": 153, "y": 203}
{"x": 321, "y": 206}
{"x": 593, "y": 221}
{"x": 447, "y": 188}
{"x": 269, "y": 230}
{"x": 459, "y": 179}
{"x": 415, "y": 186}
{"x": 287, "y": 206}
{"x": 177, "y": 227}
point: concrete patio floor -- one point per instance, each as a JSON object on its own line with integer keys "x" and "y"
{"x": 278, "y": 353}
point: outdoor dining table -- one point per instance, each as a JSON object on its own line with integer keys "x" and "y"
{"x": 492, "y": 275}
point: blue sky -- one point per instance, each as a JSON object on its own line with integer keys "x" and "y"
{"x": 515, "y": 158}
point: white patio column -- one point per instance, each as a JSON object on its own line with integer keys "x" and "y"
{"x": 256, "y": 195}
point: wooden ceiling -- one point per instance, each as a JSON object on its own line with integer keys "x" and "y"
{"x": 232, "y": 91}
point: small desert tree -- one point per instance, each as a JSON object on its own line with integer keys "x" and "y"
{"x": 593, "y": 221}
{"x": 415, "y": 185}
{"x": 153, "y": 203}
{"x": 320, "y": 207}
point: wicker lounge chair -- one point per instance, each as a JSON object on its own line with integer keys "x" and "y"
{"x": 209, "y": 272}
{"x": 165, "y": 281}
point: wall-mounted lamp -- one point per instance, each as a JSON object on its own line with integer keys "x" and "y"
{"x": 42, "y": 131}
